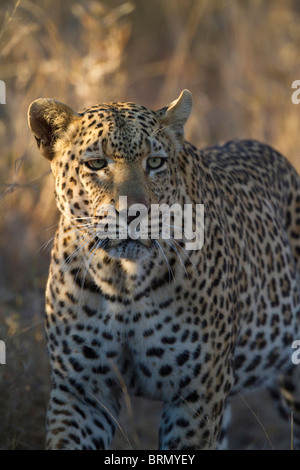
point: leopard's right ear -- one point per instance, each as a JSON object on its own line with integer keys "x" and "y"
{"x": 48, "y": 119}
{"x": 177, "y": 113}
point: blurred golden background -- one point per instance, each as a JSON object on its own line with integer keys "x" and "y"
{"x": 238, "y": 58}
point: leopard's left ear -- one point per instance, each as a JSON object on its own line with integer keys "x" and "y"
{"x": 177, "y": 113}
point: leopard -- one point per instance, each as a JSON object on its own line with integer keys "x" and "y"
{"x": 163, "y": 317}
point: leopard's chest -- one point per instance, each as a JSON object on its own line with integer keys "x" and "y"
{"x": 156, "y": 352}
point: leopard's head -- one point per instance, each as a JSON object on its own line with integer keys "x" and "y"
{"x": 109, "y": 158}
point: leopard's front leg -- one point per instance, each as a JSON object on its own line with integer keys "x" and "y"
{"x": 193, "y": 420}
{"x": 84, "y": 351}
{"x": 188, "y": 426}
{"x": 78, "y": 420}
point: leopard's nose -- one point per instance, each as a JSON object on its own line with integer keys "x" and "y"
{"x": 130, "y": 207}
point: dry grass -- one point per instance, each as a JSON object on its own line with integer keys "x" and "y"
{"x": 238, "y": 58}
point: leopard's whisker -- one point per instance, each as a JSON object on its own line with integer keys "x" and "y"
{"x": 177, "y": 252}
{"x": 166, "y": 259}
{"x": 67, "y": 233}
{"x": 51, "y": 226}
{"x": 88, "y": 258}
{"x": 74, "y": 253}
{"x": 83, "y": 237}
{"x": 173, "y": 226}
{"x": 90, "y": 217}
{"x": 72, "y": 219}
{"x": 45, "y": 245}
{"x": 188, "y": 257}
{"x": 58, "y": 236}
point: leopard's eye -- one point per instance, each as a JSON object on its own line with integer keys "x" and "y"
{"x": 96, "y": 164}
{"x": 153, "y": 163}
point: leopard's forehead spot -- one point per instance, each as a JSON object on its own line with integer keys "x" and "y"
{"x": 120, "y": 114}
{"x": 122, "y": 130}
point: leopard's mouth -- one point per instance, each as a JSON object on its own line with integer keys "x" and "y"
{"x": 128, "y": 248}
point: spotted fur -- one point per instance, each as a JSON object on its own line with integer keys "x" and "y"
{"x": 189, "y": 328}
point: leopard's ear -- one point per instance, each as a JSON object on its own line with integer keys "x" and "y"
{"x": 48, "y": 119}
{"x": 177, "y": 113}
